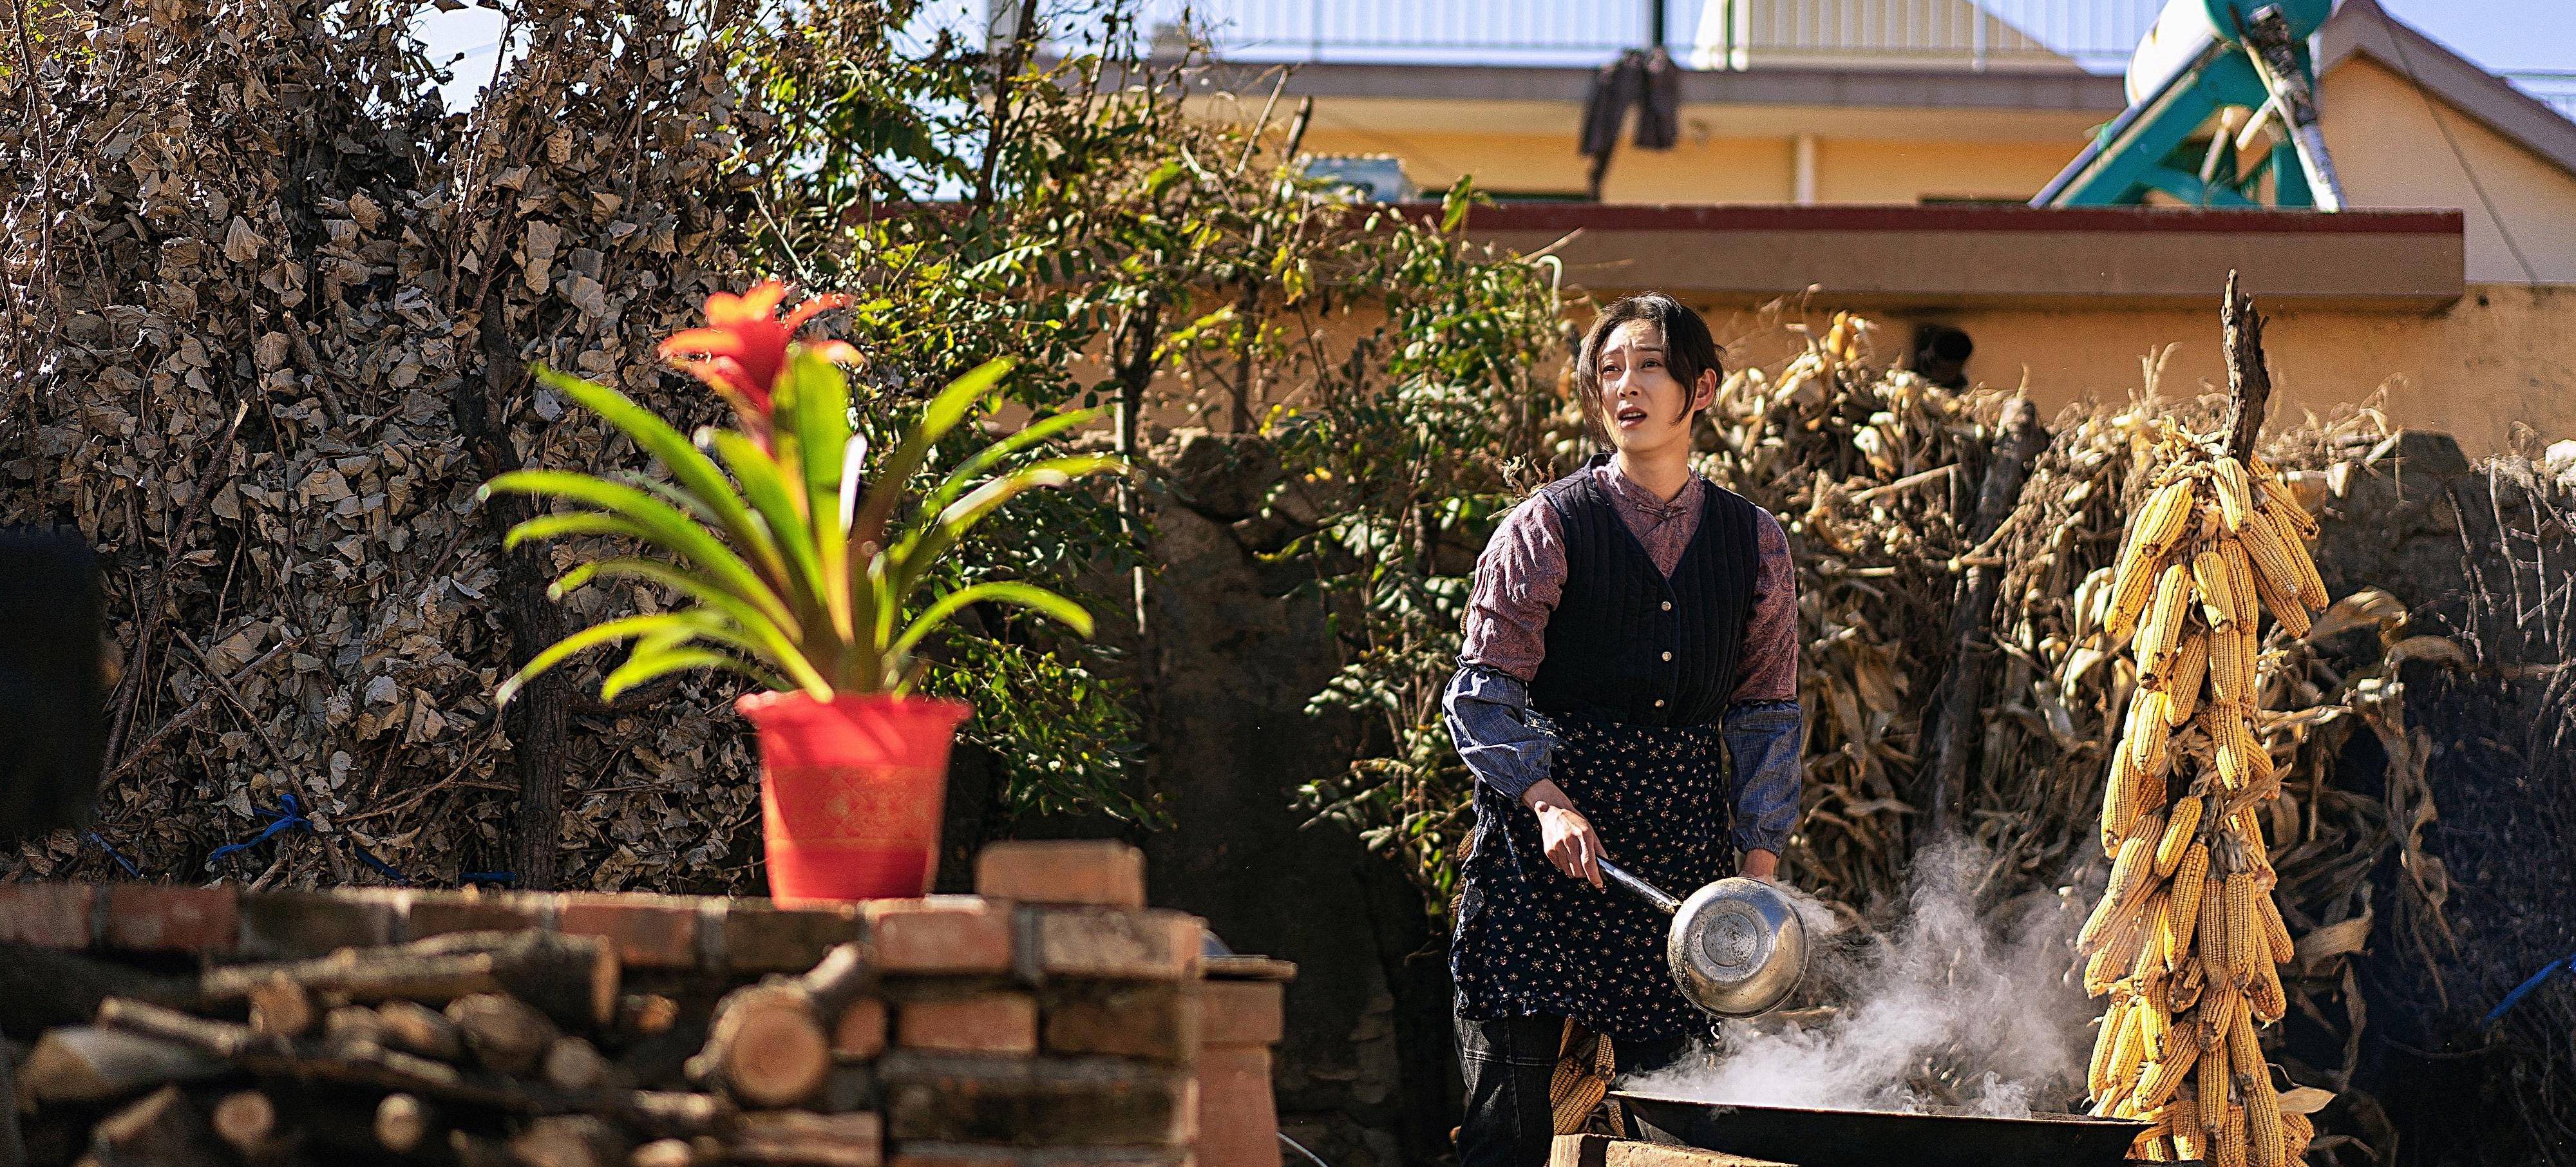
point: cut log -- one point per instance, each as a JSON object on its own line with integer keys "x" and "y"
{"x": 47, "y": 988}
{"x": 571, "y": 1140}
{"x": 280, "y": 1006}
{"x": 412, "y": 1027}
{"x": 350, "y": 1025}
{"x": 311, "y": 1060}
{"x": 506, "y": 1035}
{"x": 575, "y": 1066}
{"x": 844, "y": 974}
{"x": 675, "y": 1113}
{"x": 768, "y": 1046}
{"x": 89, "y": 1063}
{"x": 765, "y": 1047}
{"x": 477, "y": 1151}
{"x": 403, "y": 1122}
{"x": 245, "y": 1120}
{"x": 646, "y": 1014}
{"x": 664, "y": 1153}
{"x": 164, "y": 1129}
{"x": 573, "y": 979}
{"x": 791, "y": 1138}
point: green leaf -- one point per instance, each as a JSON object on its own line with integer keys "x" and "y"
{"x": 1056, "y": 607}
{"x": 943, "y": 414}
{"x": 765, "y": 484}
{"x": 923, "y": 547}
{"x": 989, "y": 456}
{"x": 694, "y": 471}
{"x": 642, "y": 666}
{"x": 656, "y": 521}
{"x": 777, "y": 645}
{"x": 627, "y": 628}
{"x": 821, "y": 414}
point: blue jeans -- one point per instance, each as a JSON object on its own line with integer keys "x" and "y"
{"x": 1507, "y": 1065}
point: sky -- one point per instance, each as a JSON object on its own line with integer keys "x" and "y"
{"x": 2503, "y": 35}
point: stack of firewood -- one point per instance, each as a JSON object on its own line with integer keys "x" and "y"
{"x": 472, "y": 1048}
{"x": 1054, "y": 1021}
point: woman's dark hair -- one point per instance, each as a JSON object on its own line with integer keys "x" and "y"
{"x": 1689, "y": 350}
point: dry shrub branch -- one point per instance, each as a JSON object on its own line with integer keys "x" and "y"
{"x": 270, "y": 311}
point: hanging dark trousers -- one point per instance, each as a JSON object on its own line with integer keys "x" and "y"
{"x": 1646, "y": 80}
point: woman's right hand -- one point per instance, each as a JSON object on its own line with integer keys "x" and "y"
{"x": 1564, "y": 833}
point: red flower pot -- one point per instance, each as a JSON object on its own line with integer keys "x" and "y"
{"x": 851, "y": 792}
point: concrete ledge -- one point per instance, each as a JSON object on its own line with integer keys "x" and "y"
{"x": 1912, "y": 256}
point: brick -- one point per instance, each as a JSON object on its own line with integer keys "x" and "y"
{"x": 1099, "y": 872}
{"x": 1238, "y": 1118}
{"x": 1151, "y": 1019}
{"x": 925, "y": 1154}
{"x": 155, "y": 918}
{"x": 52, "y": 915}
{"x": 759, "y": 936}
{"x": 437, "y": 913}
{"x": 646, "y": 931}
{"x": 922, "y": 1154}
{"x": 291, "y": 925}
{"x": 1110, "y": 1157}
{"x": 982, "y": 1023}
{"x": 1241, "y": 1012}
{"x": 860, "y": 1033}
{"x": 941, "y": 934}
{"x": 971, "y": 1098}
{"x": 1110, "y": 945}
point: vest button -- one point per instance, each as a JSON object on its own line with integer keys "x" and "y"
{"x": 1668, "y": 605}
{"x": 1668, "y": 656}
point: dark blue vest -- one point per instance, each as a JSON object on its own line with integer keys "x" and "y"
{"x": 1625, "y": 642}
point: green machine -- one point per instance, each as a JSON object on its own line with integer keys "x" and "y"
{"x": 2222, "y": 106}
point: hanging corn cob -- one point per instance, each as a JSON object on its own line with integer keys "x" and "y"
{"x": 2187, "y": 942}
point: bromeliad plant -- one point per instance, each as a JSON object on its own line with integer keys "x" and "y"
{"x": 804, "y": 561}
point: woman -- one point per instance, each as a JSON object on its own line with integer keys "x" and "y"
{"x": 1631, "y": 627}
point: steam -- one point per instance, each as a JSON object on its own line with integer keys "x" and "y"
{"x": 1952, "y": 1008}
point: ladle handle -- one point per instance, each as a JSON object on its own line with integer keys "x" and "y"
{"x": 1644, "y": 890}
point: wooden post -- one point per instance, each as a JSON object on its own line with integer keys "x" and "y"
{"x": 2249, "y": 380}
{"x": 2019, "y": 440}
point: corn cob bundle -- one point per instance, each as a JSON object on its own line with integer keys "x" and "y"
{"x": 2186, "y": 942}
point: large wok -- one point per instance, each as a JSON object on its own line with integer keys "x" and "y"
{"x": 1870, "y": 1138}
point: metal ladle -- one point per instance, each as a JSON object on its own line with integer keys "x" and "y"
{"x": 1737, "y": 947}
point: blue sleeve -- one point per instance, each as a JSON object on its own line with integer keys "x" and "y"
{"x": 1763, "y": 738}
{"x": 1487, "y": 712}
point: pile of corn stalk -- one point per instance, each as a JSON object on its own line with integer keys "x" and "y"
{"x": 1875, "y": 473}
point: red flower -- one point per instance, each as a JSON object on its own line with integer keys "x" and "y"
{"x": 743, "y": 350}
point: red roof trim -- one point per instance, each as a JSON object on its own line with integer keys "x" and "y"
{"x": 1631, "y": 217}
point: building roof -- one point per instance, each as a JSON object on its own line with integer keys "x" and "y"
{"x": 2363, "y": 28}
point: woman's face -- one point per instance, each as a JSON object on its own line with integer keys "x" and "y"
{"x": 1644, "y": 407}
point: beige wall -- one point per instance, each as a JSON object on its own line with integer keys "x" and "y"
{"x": 2390, "y": 153}
{"x": 2495, "y": 359}
{"x": 1710, "y": 168}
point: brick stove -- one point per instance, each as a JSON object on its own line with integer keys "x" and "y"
{"x": 1050, "y": 1020}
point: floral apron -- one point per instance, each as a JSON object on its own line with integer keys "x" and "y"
{"x": 1533, "y": 942}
